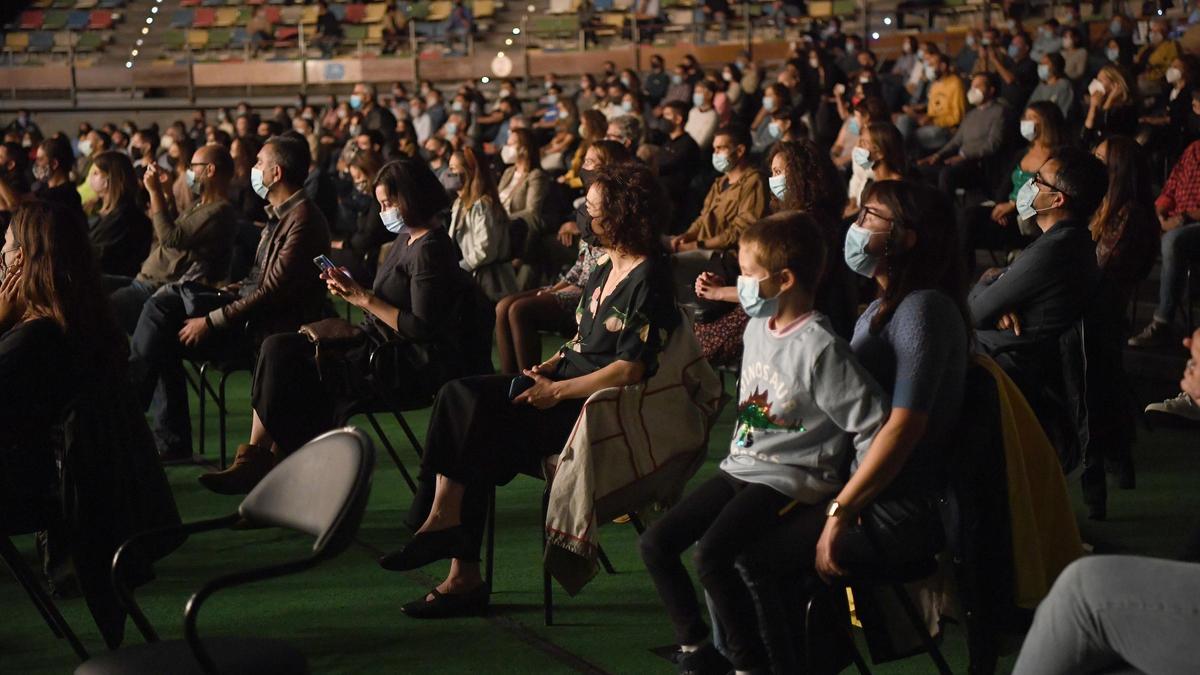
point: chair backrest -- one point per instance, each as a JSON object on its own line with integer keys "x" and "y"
{"x": 321, "y": 490}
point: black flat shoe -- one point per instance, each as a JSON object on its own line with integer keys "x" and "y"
{"x": 447, "y": 605}
{"x": 427, "y": 547}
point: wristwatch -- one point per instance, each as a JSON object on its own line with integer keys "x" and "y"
{"x": 834, "y": 510}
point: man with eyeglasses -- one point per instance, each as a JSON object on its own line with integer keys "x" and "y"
{"x": 1022, "y": 312}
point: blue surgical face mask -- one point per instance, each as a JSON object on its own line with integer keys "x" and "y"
{"x": 755, "y": 305}
{"x": 256, "y": 182}
{"x": 773, "y": 129}
{"x": 862, "y": 157}
{"x": 778, "y": 185}
{"x": 1014, "y": 50}
{"x": 1043, "y": 72}
{"x": 854, "y": 126}
{"x": 855, "y": 251}
{"x": 355, "y": 101}
{"x": 627, "y": 106}
{"x": 1113, "y": 54}
{"x": 697, "y": 100}
{"x": 721, "y": 163}
{"x": 676, "y": 79}
{"x": 1116, "y": 27}
{"x": 393, "y": 221}
{"x": 451, "y": 128}
{"x": 769, "y": 103}
{"x": 551, "y": 99}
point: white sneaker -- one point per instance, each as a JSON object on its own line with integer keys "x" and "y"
{"x": 1181, "y": 406}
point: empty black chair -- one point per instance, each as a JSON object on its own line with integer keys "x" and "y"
{"x": 320, "y": 490}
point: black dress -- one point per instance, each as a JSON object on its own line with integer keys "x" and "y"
{"x": 479, "y": 438}
{"x": 438, "y": 306}
{"x": 121, "y": 239}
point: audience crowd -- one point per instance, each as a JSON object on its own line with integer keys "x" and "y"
{"x": 770, "y": 202}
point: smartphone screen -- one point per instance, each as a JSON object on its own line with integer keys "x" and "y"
{"x": 323, "y": 263}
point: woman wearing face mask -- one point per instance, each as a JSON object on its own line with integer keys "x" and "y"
{"x": 479, "y": 225}
{"x": 592, "y": 127}
{"x": 584, "y": 98}
{"x": 864, "y": 111}
{"x": 914, "y": 340}
{"x": 1171, "y": 119}
{"x": 997, "y": 227}
{"x": 52, "y": 173}
{"x": 420, "y": 295}
{"x": 1052, "y": 85}
{"x": 522, "y": 316}
{"x": 880, "y": 155}
{"x": 1112, "y": 107}
{"x": 182, "y": 192}
{"x": 1074, "y": 52}
{"x": 775, "y": 98}
{"x": 703, "y": 119}
{"x": 122, "y": 233}
{"x": 523, "y": 191}
{"x": 566, "y": 126}
{"x": 359, "y": 252}
{"x": 731, "y": 79}
{"x": 1125, "y": 228}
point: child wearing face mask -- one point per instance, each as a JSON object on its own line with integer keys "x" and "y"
{"x": 806, "y": 407}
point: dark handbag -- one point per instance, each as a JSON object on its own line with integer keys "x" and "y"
{"x": 200, "y": 299}
{"x": 332, "y": 338}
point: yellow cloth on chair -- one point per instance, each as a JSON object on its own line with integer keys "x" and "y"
{"x": 1045, "y": 536}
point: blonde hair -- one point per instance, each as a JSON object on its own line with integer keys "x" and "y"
{"x": 1122, "y": 93}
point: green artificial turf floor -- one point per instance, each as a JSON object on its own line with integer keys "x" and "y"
{"x": 345, "y": 614}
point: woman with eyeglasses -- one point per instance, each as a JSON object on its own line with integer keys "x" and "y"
{"x": 914, "y": 340}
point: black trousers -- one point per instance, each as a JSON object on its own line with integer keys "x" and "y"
{"x": 477, "y": 437}
{"x": 722, "y": 517}
{"x": 292, "y": 401}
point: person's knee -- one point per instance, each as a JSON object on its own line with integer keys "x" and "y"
{"x": 652, "y": 546}
{"x": 712, "y": 558}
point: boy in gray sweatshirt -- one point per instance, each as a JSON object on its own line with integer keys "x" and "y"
{"x": 805, "y": 407}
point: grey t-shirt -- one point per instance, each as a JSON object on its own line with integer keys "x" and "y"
{"x": 806, "y": 406}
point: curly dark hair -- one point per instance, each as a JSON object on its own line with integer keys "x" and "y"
{"x": 813, "y": 183}
{"x": 629, "y": 208}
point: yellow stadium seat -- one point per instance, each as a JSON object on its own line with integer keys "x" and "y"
{"x": 16, "y": 41}
{"x": 227, "y": 16}
{"x": 309, "y": 18}
{"x": 439, "y": 10}
{"x": 484, "y": 9}
{"x": 63, "y": 40}
{"x": 197, "y": 39}
{"x": 375, "y": 34}
{"x": 375, "y": 12}
{"x": 819, "y": 9}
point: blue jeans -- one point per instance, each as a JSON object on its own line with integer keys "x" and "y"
{"x": 1107, "y": 613}
{"x": 1180, "y": 249}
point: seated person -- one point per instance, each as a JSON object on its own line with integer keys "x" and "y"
{"x": 1178, "y": 209}
{"x": 997, "y": 227}
{"x": 520, "y": 316}
{"x": 680, "y": 160}
{"x": 1155, "y": 57}
{"x": 523, "y": 191}
{"x": 879, "y": 155}
{"x": 960, "y": 163}
{"x": 359, "y": 252}
{"x": 930, "y": 126}
{"x": 122, "y": 233}
{"x": 52, "y": 174}
{"x": 1020, "y": 312}
{"x": 282, "y": 292}
{"x": 807, "y": 407}
{"x": 914, "y": 341}
{"x": 194, "y": 245}
{"x": 1054, "y": 85}
{"x": 1018, "y": 74}
{"x": 479, "y": 227}
{"x": 737, "y": 198}
{"x": 419, "y": 295}
{"x": 1124, "y": 227}
{"x": 479, "y": 438}
{"x": 1112, "y": 108}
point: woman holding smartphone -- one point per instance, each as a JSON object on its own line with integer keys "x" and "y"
{"x": 419, "y": 295}
{"x": 480, "y": 437}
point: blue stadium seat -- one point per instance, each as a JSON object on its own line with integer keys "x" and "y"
{"x": 41, "y": 41}
{"x": 78, "y": 20}
{"x": 182, "y": 18}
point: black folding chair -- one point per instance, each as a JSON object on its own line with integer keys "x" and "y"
{"x": 41, "y": 599}
{"x": 320, "y": 490}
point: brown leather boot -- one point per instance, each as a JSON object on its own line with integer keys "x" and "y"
{"x": 249, "y": 467}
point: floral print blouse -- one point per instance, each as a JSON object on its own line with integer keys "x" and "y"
{"x": 632, "y": 324}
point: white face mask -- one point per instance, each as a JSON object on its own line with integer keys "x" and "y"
{"x": 256, "y": 182}
{"x": 1028, "y": 130}
{"x": 1096, "y": 87}
{"x": 85, "y": 147}
{"x": 975, "y": 96}
{"x": 508, "y": 154}
{"x": 1173, "y": 75}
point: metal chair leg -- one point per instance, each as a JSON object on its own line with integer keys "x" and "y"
{"x": 387, "y": 445}
{"x": 918, "y": 624}
{"x": 45, "y": 605}
{"x": 222, "y": 413}
{"x": 547, "y": 587}
{"x": 201, "y": 385}
{"x": 490, "y": 549}
{"x": 408, "y": 432}
{"x": 604, "y": 561}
